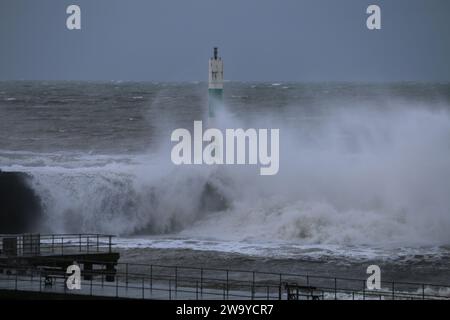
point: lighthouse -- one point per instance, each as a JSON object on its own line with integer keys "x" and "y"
{"x": 215, "y": 84}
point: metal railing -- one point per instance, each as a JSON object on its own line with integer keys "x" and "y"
{"x": 143, "y": 281}
{"x": 54, "y": 244}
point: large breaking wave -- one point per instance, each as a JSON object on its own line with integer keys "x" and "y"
{"x": 352, "y": 176}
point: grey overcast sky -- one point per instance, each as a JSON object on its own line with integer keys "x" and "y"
{"x": 259, "y": 40}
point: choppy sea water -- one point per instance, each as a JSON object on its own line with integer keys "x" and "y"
{"x": 364, "y": 172}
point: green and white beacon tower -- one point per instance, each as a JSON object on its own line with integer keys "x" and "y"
{"x": 215, "y": 85}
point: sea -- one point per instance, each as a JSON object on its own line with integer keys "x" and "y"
{"x": 364, "y": 174}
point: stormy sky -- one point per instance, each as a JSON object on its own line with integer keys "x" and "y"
{"x": 259, "y": 40}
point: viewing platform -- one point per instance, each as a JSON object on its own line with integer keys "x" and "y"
{"x": 55, "y": 252}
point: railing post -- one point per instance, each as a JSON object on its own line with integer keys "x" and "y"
{"x": 62, "y": 245}
{"x": 79, "y": 242}
{"x": 151, "y": 278}
{"x": 201, "y": 282}
{"x": 423, "y": 291}
{"x": 196, "y": 290}
{"x": 228, "y": 288}
{"x": 126, "y": 275}
{"x": 143, "y": 287}
{"x": 87, "y": 244}
{"x": 253, "y": 285}
{"x": 393, "y": 291}
{"x": 98, "y": 243}
{"x": 53, "y": 243}
{"x": 364, "y": 290}
{"x": 279, "y": 289}
{"x": 170, "y": 289}
{"x": 117, "y": 286}
{"x": 176, "y": 279}
{"x": 109, "y": 243}
{"x": 335, "y": 289}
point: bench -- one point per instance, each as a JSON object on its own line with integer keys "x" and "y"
{"x": 295, "y": 292}
{"x": 51, "y": 274}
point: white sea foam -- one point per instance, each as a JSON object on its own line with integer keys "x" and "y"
{"x": 357, "y": 177}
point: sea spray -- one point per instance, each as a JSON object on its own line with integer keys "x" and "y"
{"x": 353, "y": 176}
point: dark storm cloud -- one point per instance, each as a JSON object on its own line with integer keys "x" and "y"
{"x": 171, "y": 40}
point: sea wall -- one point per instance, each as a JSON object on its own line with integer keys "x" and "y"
{"x": 20, "y": 207}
